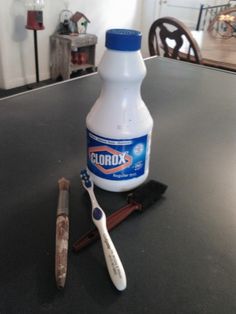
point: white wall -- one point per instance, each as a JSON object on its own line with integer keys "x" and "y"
{"x": 16, "y": 43}
{"x": 149, "y": 9}
{"x": 1, "y": 66}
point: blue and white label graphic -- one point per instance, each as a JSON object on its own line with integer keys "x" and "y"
{"x": 116, "y": 159}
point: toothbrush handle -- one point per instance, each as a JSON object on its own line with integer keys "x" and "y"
{"x": 114, "y": 265}
{"x": 112, "y": 221}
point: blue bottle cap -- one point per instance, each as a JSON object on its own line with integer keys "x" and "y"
{"x": 123, "y": 39}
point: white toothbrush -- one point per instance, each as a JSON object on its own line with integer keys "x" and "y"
{"x": 114, "y": 265}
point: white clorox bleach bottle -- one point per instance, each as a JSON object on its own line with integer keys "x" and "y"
{"x": 119, "y": 125}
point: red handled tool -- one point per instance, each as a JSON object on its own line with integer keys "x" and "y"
{"x": 139, "y": 200}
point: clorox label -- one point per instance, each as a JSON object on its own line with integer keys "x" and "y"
{"x": 116, "y": 159}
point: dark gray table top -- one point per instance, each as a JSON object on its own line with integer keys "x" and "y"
{"x": 179, "y": 256}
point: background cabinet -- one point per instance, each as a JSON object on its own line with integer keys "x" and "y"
{"x": 70, "y": 53}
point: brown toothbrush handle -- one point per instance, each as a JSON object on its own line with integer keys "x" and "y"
{"x": 112, "y": 221}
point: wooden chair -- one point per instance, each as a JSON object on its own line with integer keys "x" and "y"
{"x": 169, "y": 28}
{"x": 223, "y": 27}
{"x": 207, "y": 13}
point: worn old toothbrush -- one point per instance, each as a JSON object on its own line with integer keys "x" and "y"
{"x": 114, "y": 265}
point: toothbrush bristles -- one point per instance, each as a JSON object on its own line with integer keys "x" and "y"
{"x": 85, "y": 178}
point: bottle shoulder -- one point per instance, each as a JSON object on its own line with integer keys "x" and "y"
{"x": 120, "y": 110}
{"x": 119, "y": 122}
{"x": 119, "y": 65}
